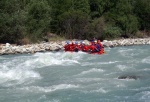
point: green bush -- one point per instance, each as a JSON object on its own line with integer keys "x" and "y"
{"x": 112, "y": 32}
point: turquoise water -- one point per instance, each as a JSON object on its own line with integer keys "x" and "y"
{"x": 76, "y": 77}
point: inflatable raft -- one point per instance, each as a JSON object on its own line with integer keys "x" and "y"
{"x": 93, "y": 48}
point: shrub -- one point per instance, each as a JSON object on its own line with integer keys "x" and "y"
{"x": 112, "y": 32}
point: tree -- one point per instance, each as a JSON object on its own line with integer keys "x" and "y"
{"x": 122, "y": 16}
{"x": 68, "y": 9}
{"x": 38, "y": 19}
{"x": 82, "y": 5}
{"x": 12, "y": 18}
{"x": 142, "y": 10}
{"x": 99, "y": 7}
{"x": 58, "y": 7}
{"x": 73, "y": 23}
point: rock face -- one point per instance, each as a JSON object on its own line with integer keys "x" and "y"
{"x": 57, "y": 46}
{"x": 128, "y": 77}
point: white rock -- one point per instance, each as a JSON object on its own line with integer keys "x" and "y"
{"x": 105, "y": 41}
{"x": 148, "y": 42}
{"x": 7, "y": 45}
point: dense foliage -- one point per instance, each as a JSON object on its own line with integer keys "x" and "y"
{"x": 73, "y": 19}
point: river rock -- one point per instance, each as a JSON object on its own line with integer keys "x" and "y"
{"x": 107, "y": 43}
{"x": 128, "y": 77}
{"x": 7, "y": 45}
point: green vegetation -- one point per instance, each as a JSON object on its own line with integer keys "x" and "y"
{"x": 32, "y": 20}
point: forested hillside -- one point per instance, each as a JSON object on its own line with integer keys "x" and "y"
{"x": 73, "y": 19}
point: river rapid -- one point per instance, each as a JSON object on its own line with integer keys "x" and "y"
{"x": 77, "y": 77}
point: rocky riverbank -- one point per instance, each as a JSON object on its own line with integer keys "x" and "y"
{"x": 126, "y": 42}
{"x": 57, "y": 46}
{"x": 30, "y": 48}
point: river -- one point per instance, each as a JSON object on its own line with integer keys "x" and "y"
{"x": 77, "y": 77}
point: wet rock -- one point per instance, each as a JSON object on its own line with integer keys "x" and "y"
{"x": 128, "y": 77}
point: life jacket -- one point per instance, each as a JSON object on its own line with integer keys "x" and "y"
{"x": 71, "y": 47}
{"x": 97, "y": 47}
{"x": 101, "y": 45}
{"x": 67, "y": 47}
{"x": 85, "y": 48}
{"x": 92, "y": 48}
{"x": 76, "y": 47}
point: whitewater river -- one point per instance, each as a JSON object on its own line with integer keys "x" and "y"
{"x": 77, "y": 77}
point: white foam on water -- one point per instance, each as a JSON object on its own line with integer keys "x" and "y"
{"x": 127, "y": 52}
{"x": 59, "y": 58}
{"x": 3, "y": 67}
{"x": 89, "y": 79}
{"x": 87, "y": 64}
{"x": 61, "y": 55}
{"x": 91, "y": 71}
{"x": 15, "y": 71}
{"x": 118, "y": 83}
{"x": 109, "y": 62}
{"x": 41, "y": 97}
{"x": 146, "y": 69}
{"x": 146, "y": 60}
{"x": 145, "y": 95}
{"x": 143, "y": 70}
{"x": 122, "y": 67}
{"x": 15, "y": 63}
{"x": 141, "y": 89}
{"x": 19, "y": 76}
{"x": 100, "y": 90}
{"x": 99, "y": 63}
{"x": 2, "y": 58}
{"x": 38, "y": 89}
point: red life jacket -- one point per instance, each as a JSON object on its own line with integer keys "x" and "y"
{"x": 71, "y": 47}
{"x": 92, "y": 48}
{"x": 81, "y": 47}
{"x": 84, "y": 48}
{"x": 67, "y": 47}
{"x": 76, "y": 47}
